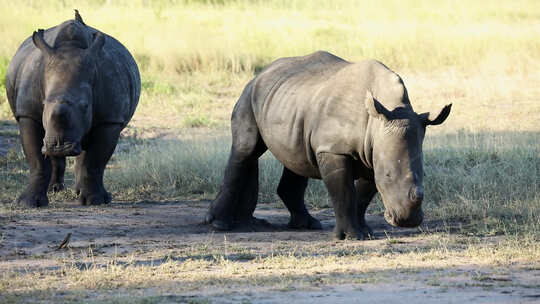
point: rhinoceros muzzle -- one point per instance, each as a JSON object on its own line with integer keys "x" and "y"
{"x": 53, "y": 146}
{"x": 414, "y": 219}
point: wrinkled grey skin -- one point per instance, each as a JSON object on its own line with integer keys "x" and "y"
{"x": 349, "y": 124}
{"x": 72, "y": 90}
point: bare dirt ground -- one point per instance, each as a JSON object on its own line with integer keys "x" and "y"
{"x": 123, "y": 228}
{"x": 150, "y": 234}
{"x": 150, "y": 231}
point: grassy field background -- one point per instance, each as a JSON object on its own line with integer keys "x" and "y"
{"x": 195, "y": 56}
{"x": 482, "y": 166}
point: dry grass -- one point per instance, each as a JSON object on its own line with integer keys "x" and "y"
{"x": 195, "y": 56}
{"x": 225, "y": 266}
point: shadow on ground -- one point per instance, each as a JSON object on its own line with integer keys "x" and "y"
{"x": 121, "y": 228}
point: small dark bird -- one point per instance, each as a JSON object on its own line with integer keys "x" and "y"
{"x": 78, "y": 17}
{"x": 65, "y": 242}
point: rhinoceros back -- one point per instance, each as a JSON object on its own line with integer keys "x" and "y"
{"x": 119, "y": 86}
{"x": 315, "y": 104}
{"x": 286, "y": 101}
{"x": 116, "y": 90}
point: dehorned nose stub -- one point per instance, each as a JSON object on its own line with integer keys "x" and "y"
{"x": 60, "y": 113}
{"x": 56, "y": 146}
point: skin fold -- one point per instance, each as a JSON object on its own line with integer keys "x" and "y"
{"x": 349, "y": 124}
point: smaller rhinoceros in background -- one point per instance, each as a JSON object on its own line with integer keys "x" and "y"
{"x": 72, "y": 90}
{"x": 349, "y": 124}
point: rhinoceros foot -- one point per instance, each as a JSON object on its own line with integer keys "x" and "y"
{"x": 56, "y": 187}
{"x": 226, "y": 225}
{"x": 253, "y": 221}
{"x": 251, "y": 224}
{"x": 32, "y": 199}
{"x": 218, "y": 224}
{"x": 94, "y": 198}
{"x": 305, "y": 222}
{"x": 351, "y": 234}
{"x": 221, "y": 225}
{"x": 367, "y": 232}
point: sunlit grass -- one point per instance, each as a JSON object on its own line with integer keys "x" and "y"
{"x": 195, "y": 56}
{"x": 243, "y": 35}
{"x": 228, "y": 265}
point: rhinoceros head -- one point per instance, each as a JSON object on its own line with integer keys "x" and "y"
{"x": 69, "y": 76}
{"x": 398, "y": 160}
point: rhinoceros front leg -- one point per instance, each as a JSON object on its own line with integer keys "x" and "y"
{"x": 57, "y": 178}
{"x": 337, "y": 174}
{"x": 90, "y": 164}
{"x": 365, "y": 190}
{"x": 35, "y": 194}
{"x": 291, "y": 190}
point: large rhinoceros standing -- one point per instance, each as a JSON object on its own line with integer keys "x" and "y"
{"x": 349, "y": 124}
{"x": 72, "y": 90}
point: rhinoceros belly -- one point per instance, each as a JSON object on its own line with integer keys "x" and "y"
{"x": 294, "y": 158}
{"x": 284, "y": 134}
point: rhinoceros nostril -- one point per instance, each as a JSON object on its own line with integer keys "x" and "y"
{"x": 416, "y": 194}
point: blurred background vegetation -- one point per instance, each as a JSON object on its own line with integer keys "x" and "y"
{"x": 195, "y": 56}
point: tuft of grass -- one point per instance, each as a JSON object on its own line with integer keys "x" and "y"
{"x": 5, "y": 110}
{"x": 169, "y": 168}
{"x": 197, "y": 121}
{"x": 13, "y": 170}
{"x": 488, "y": 179}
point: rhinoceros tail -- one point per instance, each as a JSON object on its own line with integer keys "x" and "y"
{"x": 78, "y": 17}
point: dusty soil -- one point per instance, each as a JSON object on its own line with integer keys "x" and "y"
{"x": 122, "y": 228}
{"x": 147, "y": 230}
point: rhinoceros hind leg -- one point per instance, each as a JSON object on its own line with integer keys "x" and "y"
{"x": 237, "y": 198}
{"x": 35, "y": 194}
{"x": 90, "y": 164}
{"x": 57, "y": 178}
{"x": 291, "y": 190}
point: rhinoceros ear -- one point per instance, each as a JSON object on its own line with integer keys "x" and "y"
{"x": 375, "y": 108}
{"x": 97, "y": 44}
{"x": 432, "y": 119}
{"x": 41, "y": 44}
{"x": 78, "y": 17}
